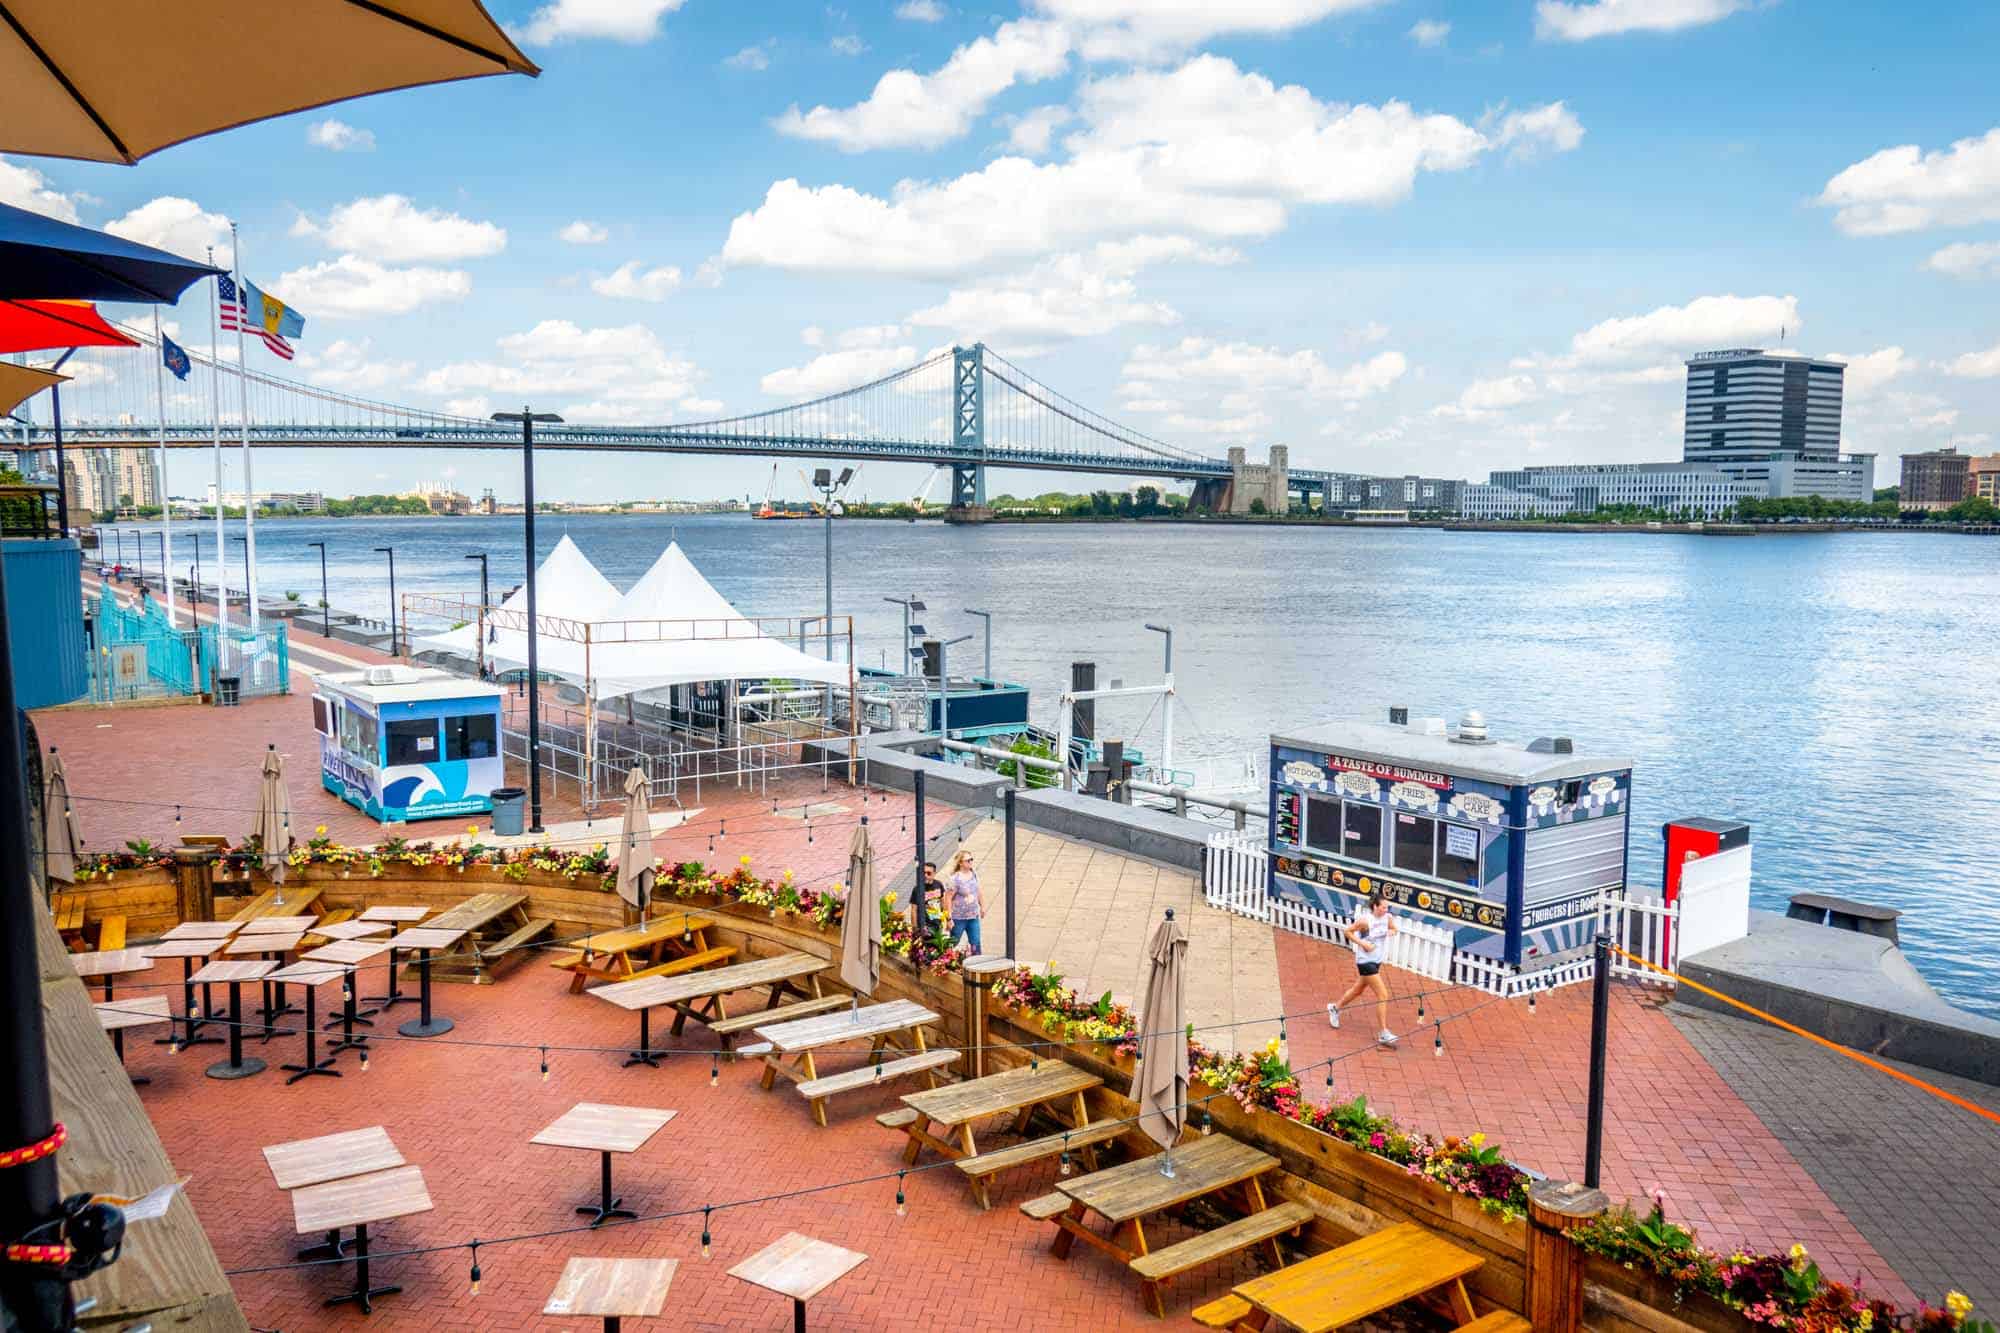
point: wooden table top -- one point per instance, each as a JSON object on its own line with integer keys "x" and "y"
{"x": 429, "y": 937}
{"x": 1009, "y": 1090}
{"x": 308, "y": 974}
{"x": 618, "y": 1288}
{"x": 479, "y": 909}
{"x": 349, "y": 951}
{"x": 188, "y": 948}
{"x": 1136, "y": 1188}
{"x": 242, "y": 969}
{"x": 352, "y": 930}
{"x": 203, "y": 930}
{"x": 627, "y": 938}
{"x": 138, "y": 1012}
{"x": 798, "y": 1266}
{"x": 276, "y": 925}
{"x": 314, "y": 1161}
{"x": 602, "y": 1128}
{"x": 359, "y": 1200}
{"x": 649, "y": 991}
{"x": 111, "y": 962}
{"x": 391, "y": 912}
{"x": 1347, "y": 1285}
{"x": 805, "y": 1034}
{"x": 278, "y": 901}
{"x": 264, "y": 942}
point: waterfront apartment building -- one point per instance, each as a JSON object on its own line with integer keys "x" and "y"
{"x": 1582, "y": 488}
{"x": 1982, "y": 477}
{"x": 1935, "y": 479}
{"x": 306, "y": 502}
{"x": 1418, "y": 495}
{"x": 1747, "y": 407}
{"x": 102, "y": 481}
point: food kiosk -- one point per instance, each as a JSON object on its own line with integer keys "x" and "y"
{"x": 1508, "y": 845}
{"x": 408, "y": 743}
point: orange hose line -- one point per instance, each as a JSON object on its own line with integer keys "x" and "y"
{"x": 1797, "y": 1031}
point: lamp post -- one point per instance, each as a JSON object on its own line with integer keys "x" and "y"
{"x": 944, "y": 683}
{"x": 166, "y": 575}
{"x": 908, "y": 604}
{"x": 825, "y": 483}
{"x": 481, "y": 558}
{"x": 987, "y": 617}
{"x": 55, "y": 418}
{"x": 325, "y": 606}
{"x": 1167, "y": 720}
{"x": 243, "y": 542}
{"x": 395, "y": 639}
{"x": 194, "y": 587}
{"x": 528, "y": 419}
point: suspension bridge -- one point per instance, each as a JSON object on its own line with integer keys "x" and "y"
{"x": 967, "y": 409}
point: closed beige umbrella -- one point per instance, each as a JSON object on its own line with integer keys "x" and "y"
{"x": 59, "y": 841}
{"x": 635, "y": 843}
{"x": 272, "y": 825}
{"x": 861, "y": 922}
{"x": 115, "y": 80}
{"x": 1163, "y": 1052}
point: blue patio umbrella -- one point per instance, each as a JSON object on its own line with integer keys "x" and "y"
{"x": 42, "y": 258}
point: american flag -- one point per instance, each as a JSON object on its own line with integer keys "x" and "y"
{"x": 234, "y": 319}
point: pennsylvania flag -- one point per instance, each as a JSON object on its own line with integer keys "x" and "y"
{"x": 175, "y": 356}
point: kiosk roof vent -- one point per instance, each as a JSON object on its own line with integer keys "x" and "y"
{"x": 1472, "y": 728}
{"x": 392, "y": 675}
{"x": 1552, "y": 745}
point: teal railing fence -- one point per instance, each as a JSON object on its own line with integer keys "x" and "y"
{"x": 139, "y": 653}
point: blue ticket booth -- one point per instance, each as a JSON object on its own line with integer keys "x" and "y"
{"x": 409, "y": 743}
{"x": 1508, "y": 845}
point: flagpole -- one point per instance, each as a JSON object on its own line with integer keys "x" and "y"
{"x": 166, "y": 494}
{"x": 249, "y": 486}
{"x": 215, "y": 433}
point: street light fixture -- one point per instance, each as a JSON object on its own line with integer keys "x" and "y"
{"x": 395, "y": 638}
{"x": 908, "y": 604}
{"x": 528, "y": 418}
{"x": 825, "y": 483}
{"x": 944, "y": 681}
{"x": 325, "y": 604}
{"x": 986, "y": 616}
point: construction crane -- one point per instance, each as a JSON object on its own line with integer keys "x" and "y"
{"x": 770, "y": 510}
{"x": 921, "y": 499}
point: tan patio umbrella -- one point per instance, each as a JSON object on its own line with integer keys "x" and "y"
{"x": 635, "y": 843}
{"x": 59, "y": 841}
{"x": 1163, "y": 1054}
{"x": 20, "y": 383}
{"x": 861, "y": 922}
{"x": 115, "y": 80}
{"x": 272, "y": 824}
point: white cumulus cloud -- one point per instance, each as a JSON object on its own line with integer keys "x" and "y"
{"x": 1975, "y": 365}
{"x": 1550, "y": 128}
{"x": 1429, "y": 32}
{"x": 842, "y": 369}
{"x": 584, "y": 232}
{"x": 1579, "y": 22}
{"x": 1967, "y": 259}
{"x": 1703, "y": 324}
{"x": 391, "y": 229}
{"x": 25, "y": 187}
{"x": 630, "y": 21}
{"x": 350, "y": 363}
{"x": 1868, "y": 371}
{"x": 177, "y": 225}
{"x": 621, "y": 374}
{"x": 921, "y": 11}
{"x": 912, "y": 110}
{"x": 848, "y": 44}
{"x": 632, "y": 281}
{"x": 1482, "y": 398}
{"x": 1241, "y": 376}
{"x": 1072, "y": 295}
{"x": 1154, "y": 29}
{"x": 340, "y": 137}
{"x": 1905, "y": 189}
{"x": 750, "y": 58}
{"x": 353, "y": 287}
{"x": 1031, "y": 132}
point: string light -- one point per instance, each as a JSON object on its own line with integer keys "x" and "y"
{"x": 1063, "y": 1168}
{"x": 1207, "y": 1124}
{"x": 902, "y": 1208}
{"x": 545, "y": 1064}
{"x": 715, "y": 1071}
{"x": 1420, "y": 1006}
{"x": 1531, "y": 999}
{"x": 722, "y": 831}
{"x": 364, "y": 1059}
{"x": 475, "y": 1268}
{"x": 705, "y": 1210}
{"x": 809, "y": 831}
{"x": 1437, "y": 1041}
{"x": 177, "y": 814}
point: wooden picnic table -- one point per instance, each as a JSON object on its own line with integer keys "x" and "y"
{"x": 604, "y": 1130}
{"x": 1017, "y": 1092}
{"x": 612, "y": 1289}
{"x": 67, "y": 908}
{"x": 1365, "y": 1277}
{"x": 631, "y": 951}
{"x": 283, "y": 900}
{"x": 394, "y": 913}
{"x": 495, "y": 924}
{"x": 1127, "y": 1194}
{"x": 698, "y": 995}
{"x": 882, "y": 1024}
{"x": 357, "y": 1201}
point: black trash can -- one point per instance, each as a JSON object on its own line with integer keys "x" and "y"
{"x": 510, "y": 811}
{"x": 228, "y": 691}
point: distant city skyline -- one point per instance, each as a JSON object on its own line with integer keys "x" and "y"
{"x": 1397, "y": 241}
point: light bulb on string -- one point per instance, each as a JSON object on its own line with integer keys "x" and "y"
{"x": 1207, "y": 1124}
{"x": 177, "y": 814}
{"x": 545, "y": 1064}
{"x": 364, "y": 1059}
{"x": 722, "y": 830}
{"x": 1437, "y": 1041}
{"x": 1531, "y": 1000}
{"x": 902, "y": 1208}
{"x": 715, "y": 1071}
{"x": 475, "y": 1268}
{"x": 704, "y": 1230}
{"x": 809, "y": 831}
{"x": 1063, "y": 1168}
{"x": 711, "y": 842}
{"x": 1420, "y": 1006}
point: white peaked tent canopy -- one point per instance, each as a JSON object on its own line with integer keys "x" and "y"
{"x": 567, "y": 585}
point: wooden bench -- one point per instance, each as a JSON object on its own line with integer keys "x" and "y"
{"x": 1045, "y": 1206}
{"x": 692, "y": 962}
{"x": 869, "y": 1075}
{"x": 1264, "y": 1226}
{"x": 67, "y": 908}
{"x": 313, "y": 940}
{"x": 729, "y": 1027}
{"x": 1499, "y": 1321}
{"x": 520, "y": 939}
{"x": 1227, "y": 1312}
{"x": 900, "y": 1118}
{"x": 111, "y": 934}
{"x": 1037, "y": 1150}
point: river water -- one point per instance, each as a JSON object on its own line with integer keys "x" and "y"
{"x": 1837, "y": 692}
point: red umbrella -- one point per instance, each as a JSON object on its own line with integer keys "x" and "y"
{"x": 35, "y": 326}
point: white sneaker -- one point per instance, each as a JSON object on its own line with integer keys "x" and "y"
{"x": 1333, "y": 1015}
{"x": 1386, "y": 1037}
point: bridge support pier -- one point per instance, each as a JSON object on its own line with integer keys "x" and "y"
{"x": 1210, "y": 494}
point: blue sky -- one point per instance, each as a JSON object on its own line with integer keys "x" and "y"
{"x": 1399, "y": 236}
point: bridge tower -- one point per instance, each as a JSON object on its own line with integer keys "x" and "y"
{"x": 968, "y": 425}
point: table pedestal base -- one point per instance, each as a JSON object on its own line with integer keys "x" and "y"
{"x": 363, "y": 1294}
{"x": 645, "y": 1055}
{"x": 334, "y": 1247}
{"x": 606, "y": 1207}
{"x": 118, "y": 1045}
{"x": 313, "y": 1064}
{"x": 424, "y": 1025}
{"x": 235, "y": 1066}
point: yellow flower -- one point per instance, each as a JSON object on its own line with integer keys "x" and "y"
{"x": 473, "y": 829}
{"x": 1958, "y": 1303}
{"x": 320, "y": 831}
{"x": 1866, "y": 1321}
{"x": 743, "y": 861}
{"x": 1798, "y": 1252}
{"x": 1477, "y": 1140}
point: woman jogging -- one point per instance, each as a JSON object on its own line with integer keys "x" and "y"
{"x": 968, "y": 904}
{"x": 1370, "y": 936}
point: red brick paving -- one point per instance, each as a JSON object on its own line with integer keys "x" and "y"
{"x": 1670, "y": 1120}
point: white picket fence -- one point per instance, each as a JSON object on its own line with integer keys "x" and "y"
{"x": 1236, "y": 880}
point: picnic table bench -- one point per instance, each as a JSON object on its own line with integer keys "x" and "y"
{"x": 1015, "y": 1092}
{"x": 699, "y": 996}
{"x": 644, "y": 950}
{"x": 881, "y": 1023}
{"x": 495, "y": 926}
{"x": 1126, "y": 1194}
{"x": 1363, "y": 1278}
{"x": 67, "y": 908}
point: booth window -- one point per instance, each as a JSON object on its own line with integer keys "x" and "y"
{"x": 1323, "y": 824}
{"x": 1458, "y": 854}
{"x": 470, "y": 737}
{"x": 414, "y": 741}
{"x": 1416, "y": 843}
{"x": 1362, "y": 827}
{"x": 322, "y": 716}
{"x": 357, "y": 734}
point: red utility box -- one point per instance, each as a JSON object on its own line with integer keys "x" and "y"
{"x": 1690, "y": 840}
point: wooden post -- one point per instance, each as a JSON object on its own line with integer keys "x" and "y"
{"x": 1555, "y": 1266}
{"x": 194, "y": 883}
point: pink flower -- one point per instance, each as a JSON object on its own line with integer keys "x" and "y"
{"x": 1376, "y": 1140}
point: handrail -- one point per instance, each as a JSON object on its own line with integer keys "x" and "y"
{"x": 1181, "y": 796}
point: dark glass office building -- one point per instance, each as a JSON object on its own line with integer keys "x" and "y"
{"x": 1746, "y": 407}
